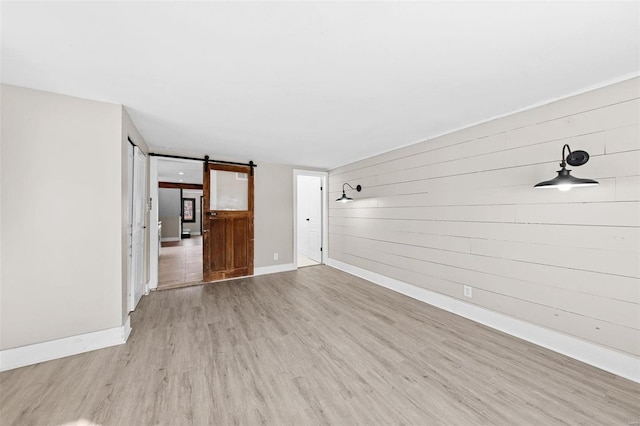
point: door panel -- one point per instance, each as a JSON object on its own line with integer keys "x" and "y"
{"x": 138, "y": 225}
{"x": 315, "y": 215}
{"x": 130, "y": 199}
{"x": 218, "y": 233}
{"x": 309, "y": 210}
{"x": 303, "y": 215}
{"x": 227, "y": 222}
{"x": 240, "y": 237}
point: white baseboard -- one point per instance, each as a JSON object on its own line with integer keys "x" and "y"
{"x": 274, "y": 269}
{"x": 126, "y": 331}
{"x": 168, "y": 239}
{"x": 607, "y": 359}
{"x": 60, "y": 348}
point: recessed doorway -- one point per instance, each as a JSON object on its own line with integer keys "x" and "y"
{"x": 309, "y": 218}
{"x": 180, "y": 223}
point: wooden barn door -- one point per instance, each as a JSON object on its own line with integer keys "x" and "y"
{"x": 227, "y": 222}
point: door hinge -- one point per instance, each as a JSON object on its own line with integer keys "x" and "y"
{"x": 320, "y": 188}
{"x": 320, "y": 248}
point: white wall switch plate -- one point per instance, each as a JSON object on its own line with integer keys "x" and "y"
{"x": 468, "y": 291}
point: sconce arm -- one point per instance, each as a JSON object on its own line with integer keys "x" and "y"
{"x": 357, "y": 188}
{"x": 566, "y": 146}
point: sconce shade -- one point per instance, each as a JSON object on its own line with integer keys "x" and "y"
{"x": 344, "y": 198}
{"x": 564, "y": 181}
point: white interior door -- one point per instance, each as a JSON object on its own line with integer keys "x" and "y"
{"x": 303, "y": 234}
{"x": 130, "y": 227}
{"x": 310, "y": 217}
{"x": 138, "y": 226}
{"x": 154, "y": 228}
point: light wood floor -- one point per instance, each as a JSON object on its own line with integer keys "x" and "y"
{"x": 312, "y": 346}
{"x": 180, "y": 262}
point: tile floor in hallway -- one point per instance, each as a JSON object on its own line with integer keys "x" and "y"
{"x": 305, "y": 261}
{"x": 180, "y": 262}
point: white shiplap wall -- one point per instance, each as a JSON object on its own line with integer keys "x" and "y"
{"x": 460, "y": 209}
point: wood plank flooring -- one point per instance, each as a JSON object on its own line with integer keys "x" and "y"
{"x": 313, "y": 346}
{"x": 180, "y": 262}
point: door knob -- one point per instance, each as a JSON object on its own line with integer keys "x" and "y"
{"x": 307, "y": 219}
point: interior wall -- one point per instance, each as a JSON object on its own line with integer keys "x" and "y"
{"x": 61, "y": 216}
{"x": 461, "y": 210}
{"x": 273, "y": 222}
{"x": 171, "y": 228}
{"x": 169, "y": 202}
{"x": 169, "y": 212}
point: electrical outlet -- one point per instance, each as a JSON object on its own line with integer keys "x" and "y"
{"x": 468, "y": 291}
{"x": 275, "y": 256}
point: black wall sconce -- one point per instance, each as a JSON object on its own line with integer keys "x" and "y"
{"x": 344, "y": 198}
{"x": 564, "y": 181}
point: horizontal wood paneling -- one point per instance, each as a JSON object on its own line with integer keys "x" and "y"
{"x": 622, "y": 139}
{"x": 592, "y": 259}
{"x": 599, "y": 119}
{"x": 618, "y": 287}
{"x": 461, "y": 210}
{"x": 595, "y": 214}
{"x": 481, "y": 172}
{"x": 604, "y": 238}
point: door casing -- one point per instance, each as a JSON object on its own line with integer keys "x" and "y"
{"x": 325, "y": 210}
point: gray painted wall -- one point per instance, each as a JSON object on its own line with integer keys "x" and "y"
{"x": 461, "y": 210}
{"x": 169, "y": 212}
{"x": 168, "y": 202}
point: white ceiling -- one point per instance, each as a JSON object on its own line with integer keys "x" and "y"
{"x": 178, "y": 171}
{"x": 315, "y": 83}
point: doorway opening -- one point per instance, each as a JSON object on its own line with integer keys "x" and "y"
{"x": 209, "y": 235}
{"x": 309, "y": 218}
{"x": 179, "y": 223}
